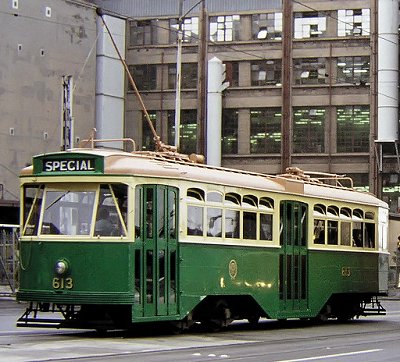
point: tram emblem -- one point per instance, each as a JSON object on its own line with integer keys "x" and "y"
{"x": 233, "y": 269}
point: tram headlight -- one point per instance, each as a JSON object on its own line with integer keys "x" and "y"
{"x": 61, "y": 267}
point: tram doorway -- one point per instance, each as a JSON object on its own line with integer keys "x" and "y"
{"x": 293, "y": 294}
{"x": 156, "y": 259}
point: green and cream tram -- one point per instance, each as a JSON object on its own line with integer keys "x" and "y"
{"x": 112, "y": 239}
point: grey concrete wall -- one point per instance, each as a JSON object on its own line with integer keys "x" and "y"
{"x": 40, "y": 41}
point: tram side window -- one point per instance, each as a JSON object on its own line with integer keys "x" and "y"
{"x": 214, "y": 222}
{"x": 332, "y": 232}
{"x": 345, "y": 233}
{"x": 265, "y": 226}
{"x": 357, "y": 234}
{"x": 195, "y": 218}
{"x": 232, "y": 217}
{"x": 369, "y": 235}
{"x": 266, "y": 203}
{"x": 33, "y": 196}
{"x": 319, "y": 231}
{"x": 232, "y": 224}
{"x": 249, "y": 225}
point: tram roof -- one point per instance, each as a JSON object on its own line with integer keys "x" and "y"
{"x": 156, "y": 164}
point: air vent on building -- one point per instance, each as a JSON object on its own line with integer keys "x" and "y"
{"x": 15, "y": 4}
{"x": 48, "y": 11}
{"x": 12, "y": 132}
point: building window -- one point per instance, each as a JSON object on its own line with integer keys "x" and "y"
{"x": 353, "y": 70}
{"x": 266, "y": 72}
{"x": 230, "y": 118}
{"x": 188, "y": 76}
{"x": 232, "y": 73}
{"x": 188, "y": 130}
{"x": 308, "y": 129}
{"x": 353, "y": 129}
{"x": 265, "y": 130}
{"x": 354, "y": 22}
{"x": 224, "y": 28}
{"x": 147, "y": 134}
{"x": 310, "y": 71}
{"x": 309, "y": 25}
{"x": 267, "y": 26}
{"x": 190, "y": 30}
{"x": 143, "y": 32}
{"x": 145, "y": 76}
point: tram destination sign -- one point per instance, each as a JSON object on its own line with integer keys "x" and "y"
{"x": 68, "y": 164}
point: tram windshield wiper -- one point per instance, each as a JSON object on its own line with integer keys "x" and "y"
{"x": 57, "y": 199}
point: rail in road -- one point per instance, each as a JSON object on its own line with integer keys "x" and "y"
{"x": 366, "y": 339}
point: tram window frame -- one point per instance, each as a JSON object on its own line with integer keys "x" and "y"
{"x": 249, "y": 215}
{"x": 266, "y": 226}
{"x": 333, "y": 232}
{"x": 214, "y": 222}
{"x": 345, "y": 216}
{"x": 65, "y": 214}
{"x": 369, "y": 235}
{"x": 232, "y": 203}
{"x": 319, "y": 215}
{"x": 32, "y": 210}
{"x": 114, "y": 199}
{"x": 195, "y": 212}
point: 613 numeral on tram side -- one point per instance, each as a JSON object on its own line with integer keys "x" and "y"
{"x": 63, "y": 283}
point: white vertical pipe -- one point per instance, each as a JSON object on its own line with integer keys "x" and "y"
{"x": 215, "y": 86}
{"x": 388, "y": 70}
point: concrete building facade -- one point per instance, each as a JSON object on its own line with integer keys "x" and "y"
{"x": 42, "y": 41}
{"x": 303, "y": 83}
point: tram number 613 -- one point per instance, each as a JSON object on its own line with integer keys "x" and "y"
{"x": 63, "y": 283}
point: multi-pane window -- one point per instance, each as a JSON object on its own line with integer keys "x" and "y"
{"x": 308, "y": 129}
{"x": 224, "y": 28}
{"x": 190, "y": 30}
{"x": 354, "y": 70}
{"x": 266, "y": 72}
{"x": 267, "y": 26}
{"x": 310, "y": 24}
{"x": 354, "y": 22}
{"x": 188, "y": 76}
{"x": 147, "y": 134}
{"x": 265, "y": 130}
{"x": 230, "y": 119}
{"x": 353, "y": 129}
{"x": 143, "y": 32}
{"x": 310, "y": 71}
{"x": 188, "y": 130}
{"x": 232, "y": 73}
{"x": 145, "y": 76}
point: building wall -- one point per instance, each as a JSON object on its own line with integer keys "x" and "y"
{"x": 246, "y": 96}
{"x": 41, "y": 41}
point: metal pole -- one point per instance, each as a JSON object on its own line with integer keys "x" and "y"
{"x": 178, "y": 78}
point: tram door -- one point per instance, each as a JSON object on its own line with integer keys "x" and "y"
{"x": 293, "y": 258}
{"x": 156, "y": 252}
